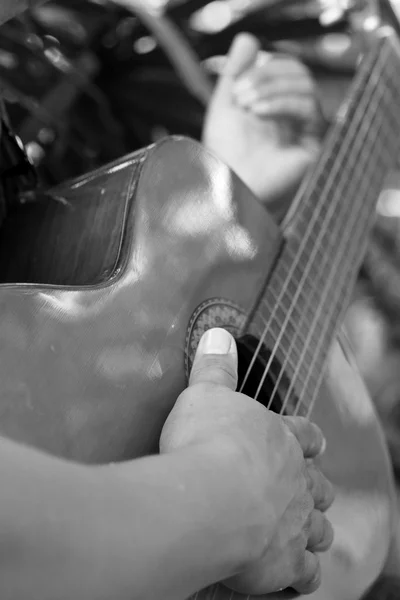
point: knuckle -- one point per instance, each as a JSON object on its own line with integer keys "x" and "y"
{"x": 309, "y": 477}
{"x": 309, "y": 503}
{"x": 308, "y": 524}
{"x": 327, "y": 536}
{"x": 309, "y": 576}
{"x": 316, "y": 488}
{"x": 303, "y": 422}
{"x": 202, "y": 388}
{"x": 302, "y": 540}
{"x": 313, "y": 570}
{"x": 209, "y": 369}
{"x": 309, "y": 435}
{"x": 288, "y": 427}
{"x": 316, "y": 437}
{"x": 329, "y": 496}
{"x": 323, "y": 492}
{"x": 299, "y": 565}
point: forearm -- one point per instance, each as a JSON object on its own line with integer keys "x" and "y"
{"x": 160, "y": 527}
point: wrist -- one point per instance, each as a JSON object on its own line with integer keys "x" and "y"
{"x": 210, "y": 528}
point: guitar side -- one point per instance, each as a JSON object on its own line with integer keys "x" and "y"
{"x": 90, "y": 373}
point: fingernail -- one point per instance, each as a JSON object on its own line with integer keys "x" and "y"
{"x": 215, "y": 341}
{"x": 323, "y": 447}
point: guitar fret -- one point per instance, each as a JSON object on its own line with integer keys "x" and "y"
{"x": 290, "y": 360}
{"x": 288, "y": 339}
{"x": 288, "y": 331}
{"x": 304, "y": 299}
{"x": 309, "y": 285}
{"x": 294, "y": 331}
{"x": 281, "y": 275}
{"x": 307, "y": 288}
{"x": 310, "y": 387}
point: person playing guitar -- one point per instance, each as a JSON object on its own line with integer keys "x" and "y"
{"x": 265, "y": 120}
{"x": 286, "y": 142}
{"x": 234, "y": 495}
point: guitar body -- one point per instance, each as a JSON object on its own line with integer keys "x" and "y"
{"x": 356, "y": 461}
{"x": 90, "y": 372}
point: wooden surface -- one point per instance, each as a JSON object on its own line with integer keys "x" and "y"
{"x": 11, "y": 8}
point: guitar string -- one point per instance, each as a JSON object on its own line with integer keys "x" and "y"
{"x": 347, "y": 295}
{"x": 314, "y": 290}
{"x": 346, "y": 298}
{"x": 315, "y": 390}
{"x": 322, "y": 295}
{"x": 322, "y": 372}
{"x": 291, "y": 278}
{"x": 354, "y": 235}
{"x": 345, "y": 143}
{"x": 332, "y": 212}
{"x": 330, "y": 145}
{"x": 195, "y": 597}
{"x": 271, "y": 314}
{"x": 317, "y": 294}
{"x": 360, "y": 231}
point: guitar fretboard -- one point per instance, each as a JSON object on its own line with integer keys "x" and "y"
{"x": 332, "y": 217}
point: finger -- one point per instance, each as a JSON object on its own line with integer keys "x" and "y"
{"x": 277, "y": 89}
{"x": 319, "y": 487}
{"x": 270, "y": 69}
{"x": 300, "y": 108}
{"x": 309, "y": 579}
{"x": 320, "y": 532}
{"x": 309, "y": 435}
{"x": 216, "y": 360}
{"x": 242, "y": 56}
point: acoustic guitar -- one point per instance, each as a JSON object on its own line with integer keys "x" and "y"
{"x": 110, "y": 280}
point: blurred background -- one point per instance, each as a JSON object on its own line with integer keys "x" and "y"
{"x": 86, "y": 81}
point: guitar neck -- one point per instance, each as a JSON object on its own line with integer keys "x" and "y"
{"x": 331, "y": 220}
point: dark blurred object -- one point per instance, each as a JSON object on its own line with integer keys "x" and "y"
{"x": 12, "y": 8}
{"x": 17, "y": 174}
{"x": 48, "y": 65}
{"x": 89, "y": 81}
{"x": 385, "y": 588}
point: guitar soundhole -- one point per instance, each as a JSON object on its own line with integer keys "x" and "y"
{"x": 218, "y": 312}
{"x": 275, "y": 377}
